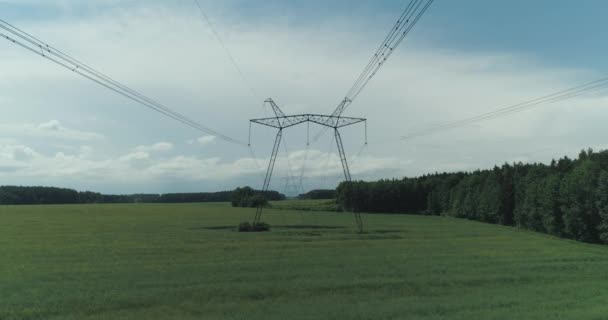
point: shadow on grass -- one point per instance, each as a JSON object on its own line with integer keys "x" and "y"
{"x": 217, "y": 228}
{"x": 316, "y": 227}
{"x": 386, "y": 231}
{"x": 295, "y": 227}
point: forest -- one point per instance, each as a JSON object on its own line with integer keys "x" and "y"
{"x": 19, "y": 195}
{"x": 566, "y": 198}
{"x": 318, "y": 194}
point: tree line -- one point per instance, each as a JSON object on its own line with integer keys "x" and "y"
{"x": 566, "y": 198}
{"x": 318, "y": 194}
{"x": 248, "y": 197}
{"x": 20, "y": 195}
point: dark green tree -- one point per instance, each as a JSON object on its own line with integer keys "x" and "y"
{"x": 602, "y": 205}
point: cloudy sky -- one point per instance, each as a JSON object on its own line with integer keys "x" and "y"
{"x": 464, "y": 58}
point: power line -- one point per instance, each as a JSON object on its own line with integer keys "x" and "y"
{"x": 331, "y": 150}
{"x": 52, "y": 54}
{"x": 586, "y": 88}
{"x": 303, "y": 168}
{"x": 290, "y": 175}
{"x": 357, "y": 156}
{"x": 229, "y": 55}
{"x": 304, "y": 162}
{"x": 255, "y": 161}
{"x": 407, "y": 20}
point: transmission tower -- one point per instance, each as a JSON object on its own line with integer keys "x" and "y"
{"x": 291, "y": 189}
{"x": 281, "y": 122}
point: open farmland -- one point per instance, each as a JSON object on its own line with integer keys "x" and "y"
{"x": 186, "y": 262}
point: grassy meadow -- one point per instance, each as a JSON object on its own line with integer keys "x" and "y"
{"x": 185, "y": 261}
{"x": 305, "y": 205}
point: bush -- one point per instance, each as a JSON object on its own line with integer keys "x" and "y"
{"x": 256, "y": 227}
{"x": 261, "y": 227}
{"x": 244, "y": 227}
{"x": 258, "y": 200}
{"x": 247, "y": 197}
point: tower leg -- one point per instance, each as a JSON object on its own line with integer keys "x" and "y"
{"x": 347, "y": 177}
{"x": 273, "y": 159}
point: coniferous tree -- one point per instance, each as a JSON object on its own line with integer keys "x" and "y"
{"x": 548, "y": 203}
{"x": 579, "y": 210}
{"x": 567, "y": 198}
{"x": 602, "y": 206}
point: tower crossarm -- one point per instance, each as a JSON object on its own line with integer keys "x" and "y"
{"x": 335, "y": 122}
{"x": 323, "y": 120}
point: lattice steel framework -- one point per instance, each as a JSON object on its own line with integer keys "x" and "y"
{"x": 280, "y": 121}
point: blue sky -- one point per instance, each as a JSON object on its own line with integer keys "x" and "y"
{"x": 462, "y": 59}
{"x": 560, "y": 32}
{"x": 565, "y": 33}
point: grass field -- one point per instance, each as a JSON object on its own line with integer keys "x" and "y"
{"x": 186, "y": 262}
{"x": 306, "y": 205}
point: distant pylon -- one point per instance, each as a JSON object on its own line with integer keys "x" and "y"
{"x": 291, "y": 188}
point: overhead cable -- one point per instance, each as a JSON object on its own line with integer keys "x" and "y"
{"x": 586, "y": 88}
{"x": 231, "y": 58}
{"x": 405, "y": 23}
{"x": 33, "y": 44}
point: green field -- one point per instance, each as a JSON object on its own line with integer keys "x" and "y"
{"x": 186, "y": 262}
{"x": 306, "y": 205}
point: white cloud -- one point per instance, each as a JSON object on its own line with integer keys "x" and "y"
{"x": 157, "y": 147}
{"x": 205, "y": 140}
{"x": 421, "y": 86}
{"x": 14, "y": 157}
{"x": 22, "y": 161}
{"x": 23, "y": 153}
{"x": 48, "y": 131}
{"x": 135, "y": 156}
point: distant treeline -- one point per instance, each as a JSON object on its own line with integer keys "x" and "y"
{"x": 319, "y": 194}
{"x": 567, "y": 198}
{"x": 14, "y": 195}
{"x": 250, "y": 198}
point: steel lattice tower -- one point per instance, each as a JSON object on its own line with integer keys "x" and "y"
{"x": 281, "y": 122}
